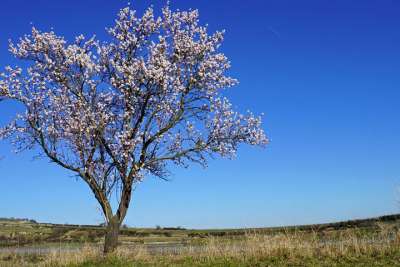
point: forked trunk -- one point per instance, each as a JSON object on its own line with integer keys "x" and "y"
{"x": 114, "y": 222}
{"x": 111, "y": 238}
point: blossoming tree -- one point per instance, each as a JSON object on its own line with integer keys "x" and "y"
{"x": 113, "y": 112}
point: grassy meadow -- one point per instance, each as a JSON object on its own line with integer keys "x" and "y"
{"x": 371, "y": 242}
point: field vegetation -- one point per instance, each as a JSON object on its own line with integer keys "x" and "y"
{"x": 371, "y": 242}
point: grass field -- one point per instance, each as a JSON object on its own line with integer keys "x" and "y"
{"x": 371, "y": 242}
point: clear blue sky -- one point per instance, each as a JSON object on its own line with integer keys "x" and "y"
{"x": 325, "y": 73}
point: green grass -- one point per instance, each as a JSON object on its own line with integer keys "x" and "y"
{"x": 282, "y": 260}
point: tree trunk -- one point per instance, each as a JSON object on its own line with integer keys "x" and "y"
{"x": 111, "y": 238}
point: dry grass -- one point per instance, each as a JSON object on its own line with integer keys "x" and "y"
{"x": 334, "y": 248}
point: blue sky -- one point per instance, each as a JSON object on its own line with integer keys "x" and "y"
{"x": 326, "y": 75}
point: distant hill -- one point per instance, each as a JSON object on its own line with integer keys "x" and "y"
{"x": 360, "y": 223}
{"x": 12, "y": 219}
{"x": 357, "y": 223}
{"x": 15, "y": 231}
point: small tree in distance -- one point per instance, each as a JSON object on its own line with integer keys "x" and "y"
{"x": 113, "y": 112}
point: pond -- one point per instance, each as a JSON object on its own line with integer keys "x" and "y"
{"x": 151, "y": 248}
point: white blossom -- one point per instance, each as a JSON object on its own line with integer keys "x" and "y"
{"x": 117, "y": 110}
